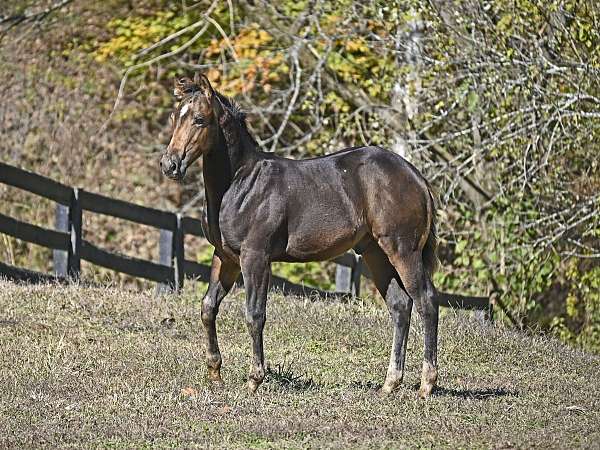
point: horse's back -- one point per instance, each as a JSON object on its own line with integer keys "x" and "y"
{"x": 386, "y": 191}
{"x": 334, "y": 201}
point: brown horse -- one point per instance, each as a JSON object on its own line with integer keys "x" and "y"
{"x": 263, "y": 208}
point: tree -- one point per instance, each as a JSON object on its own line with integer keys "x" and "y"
{"x": 496, "y": 102}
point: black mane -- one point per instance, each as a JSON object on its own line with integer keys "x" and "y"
{"x": 237, "y": 113}
{"x": 233, "y": 107}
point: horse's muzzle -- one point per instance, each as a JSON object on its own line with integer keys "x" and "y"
{"x": 172, "y": 167}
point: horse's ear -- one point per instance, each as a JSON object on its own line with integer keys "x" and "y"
{"x": 182, "y": 87}
{"x": 203, "y": 84}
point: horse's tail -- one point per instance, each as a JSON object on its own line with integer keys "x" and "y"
{"x": 430, "y": 259}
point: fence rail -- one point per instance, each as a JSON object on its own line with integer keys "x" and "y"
{"x": 34, "y": 234}
{"x": 70, "y": 248}
{"x": 128, "y": 211}
{"x": 36, "y": 184}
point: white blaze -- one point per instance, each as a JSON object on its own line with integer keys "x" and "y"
{"x": 184, "y": 110}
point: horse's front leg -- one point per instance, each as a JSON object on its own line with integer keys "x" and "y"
{"x": 223, "y": 274}
{"x": 256, "y": 269}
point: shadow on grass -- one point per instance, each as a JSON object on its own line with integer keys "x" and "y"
{"x": 284, "y": 376}
{"x": 366, "y": 385}
{"x": 467, "y": 394}
{"x": 472, "y": 394}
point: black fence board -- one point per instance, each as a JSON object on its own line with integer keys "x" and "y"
{"x": 346, "y": 260}
{"x": 193, "y": 226}
{"x": 461, "y": 301}
{"x": 34, "y": 234}
{"x": 29, "y": 276}
{"x": 288, "y": 288}
{"x": 125, "y": 264}
{"x": 194, "y": 270}
{"x": 34, "y": 183}
{"x": 202, "y": 272}
{"x": 124, "y": 210}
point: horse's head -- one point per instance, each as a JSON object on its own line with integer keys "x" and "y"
{"x": 195, "y": 125}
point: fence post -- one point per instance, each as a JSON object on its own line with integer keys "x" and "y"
{"x": 489, "y": 312}
{"x": 485, "y": 315}
{"x": 60, "y": 257}
{"x": 347, "y": 279}
{"x": 343, "y": 278}
{"x": 75, "y": 224}
{"x": 165, "y": 257}
{"x": 171, "y": 253}
{"x": 178, "y": 255}
{"x": 356, "y": 274}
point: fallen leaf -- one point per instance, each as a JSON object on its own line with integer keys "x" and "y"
{"x": 576, "y": 408}
{"x": 189, "y": 392}
{"x": 168, "y": 322}
{"x": 225, "y": 409}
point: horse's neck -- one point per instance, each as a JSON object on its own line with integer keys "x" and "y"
{"x": 241, "y": 148}
{"x": 217, "y": 173}
{"x": 220, "y": 166}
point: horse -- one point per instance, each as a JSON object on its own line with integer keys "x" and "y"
{"x": 262, "y": 208}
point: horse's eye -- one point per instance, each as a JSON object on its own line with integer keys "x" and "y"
{"x": 199, "y": 120}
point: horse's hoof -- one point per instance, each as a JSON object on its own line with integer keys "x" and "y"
{"x": 393, "y": 380}
{"x": 252, "y": 386}
{"x": 425, "y": 391}
{"x": 428, "y": 379}
{"x": 388, "y": 388}
{"x": 214, "y": 376}
{"x": 385, "y": 392}
{"x": 217, "y": 383}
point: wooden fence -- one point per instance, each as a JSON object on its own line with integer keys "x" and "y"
{"x": 172, "y": 269}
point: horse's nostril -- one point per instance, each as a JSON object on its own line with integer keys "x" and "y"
{"x": 173, "y": 167}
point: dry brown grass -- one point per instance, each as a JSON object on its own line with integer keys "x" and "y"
{"x": 100, "y": 367}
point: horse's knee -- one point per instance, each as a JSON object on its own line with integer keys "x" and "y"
{"x": 426, "y": 305}
{"x": 209, "y": 317}
{"x": 255, "y": 320}
{"x": 209, "y": 311}
{"x": 397, "y": 300}
{"x": 213, "y": 360}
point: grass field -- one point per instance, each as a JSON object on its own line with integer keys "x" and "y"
{"x": 105, "y": 368}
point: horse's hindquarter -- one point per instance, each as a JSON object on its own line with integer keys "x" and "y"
{"x": 399, "y": 204}
{"x": 369, "y": 191}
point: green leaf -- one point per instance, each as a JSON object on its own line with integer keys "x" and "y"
{"x": 472, "y": 101}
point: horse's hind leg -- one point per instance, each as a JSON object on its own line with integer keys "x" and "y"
{"x": 409, "y": 265}
{"x": 399, "y": 305}
{"x": 222, "y": 276}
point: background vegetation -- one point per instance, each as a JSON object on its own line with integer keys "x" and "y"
{"x": 497, "y": 102}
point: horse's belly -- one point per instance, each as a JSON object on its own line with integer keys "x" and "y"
{"x": 320, "y": 242}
